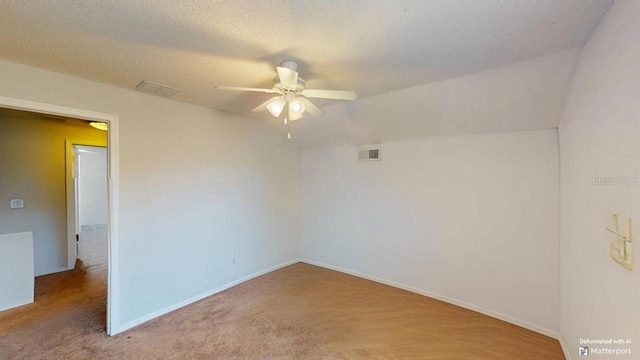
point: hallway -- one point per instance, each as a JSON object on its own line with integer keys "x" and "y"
{"x": 67, "y": 305}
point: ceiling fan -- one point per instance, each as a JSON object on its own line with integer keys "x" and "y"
{"x": 292, "y": 94}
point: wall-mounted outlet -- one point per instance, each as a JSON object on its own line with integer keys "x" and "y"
{"x": 234, "y": 260}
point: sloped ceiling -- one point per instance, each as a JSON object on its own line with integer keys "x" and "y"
{"x": 372, "y": 47}
{"x": 528, "y": 95}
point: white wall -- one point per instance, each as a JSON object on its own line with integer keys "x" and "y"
{"x": 471, "y": 219}
{"x": 16, "y": 270}
{"x": 198, "y": 187}
{"x": 93, "y": 205}
{"x": 599, "y": 136}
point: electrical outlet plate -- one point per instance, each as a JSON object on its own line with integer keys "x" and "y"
{"x": 621, "y": 250}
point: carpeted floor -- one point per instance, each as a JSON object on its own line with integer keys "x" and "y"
{"x": 298, "y": 312}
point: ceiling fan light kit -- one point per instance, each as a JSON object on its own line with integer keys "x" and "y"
{"x": 276, "y": 106}
{"x": 292, "y": 94}
{"x": 99, "y": 125}
{"x": 296, "y": 107}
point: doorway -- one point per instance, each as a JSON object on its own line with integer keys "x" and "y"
{"x": 87, "y": 204}
{"x": 112, "y": 121}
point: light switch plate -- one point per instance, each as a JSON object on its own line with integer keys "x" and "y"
{"x": 621, "y": 249}
{"x": 17, "y": 203}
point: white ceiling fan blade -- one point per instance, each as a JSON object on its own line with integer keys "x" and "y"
{"x": 310, "y": 107}
{"x": 240, "y": 88}
{"x": 330, "y": 94}
{"x": 288, "y": 78}
{"x": 263, "y": 106}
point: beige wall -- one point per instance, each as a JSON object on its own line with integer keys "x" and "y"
{"x": 32, "y": 163}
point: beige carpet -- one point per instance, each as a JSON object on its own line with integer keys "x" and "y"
{"x": 299, "y": 312}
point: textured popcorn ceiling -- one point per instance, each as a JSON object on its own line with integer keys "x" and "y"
{"x": 372, "y": 47}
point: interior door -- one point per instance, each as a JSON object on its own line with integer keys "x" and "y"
{"x": 92, "y": 211}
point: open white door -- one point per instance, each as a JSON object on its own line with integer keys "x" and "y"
{"x": 92, "y": 204}
{"x": 87, "y": 194}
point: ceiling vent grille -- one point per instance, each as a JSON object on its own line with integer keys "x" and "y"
{"x": 369, "y": 154}
{"x": 150, "y": 87}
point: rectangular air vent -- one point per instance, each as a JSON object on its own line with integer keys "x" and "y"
{"x": 156, "y": 89}
{"x": 369, "y": 154}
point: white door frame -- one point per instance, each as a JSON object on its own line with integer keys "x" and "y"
{"x": 113, "y": 281}
{"x": 70, "y": 173}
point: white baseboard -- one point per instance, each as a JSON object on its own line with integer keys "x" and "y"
{"x": 55, "y": 271}
{"x": 191, "y": 300}
{"x": 565, "y": 348}
{"x": 494, "y": 314}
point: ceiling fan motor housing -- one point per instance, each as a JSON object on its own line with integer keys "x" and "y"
{"x": 278, "y": 85}
{"x": 290, "y": 64}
